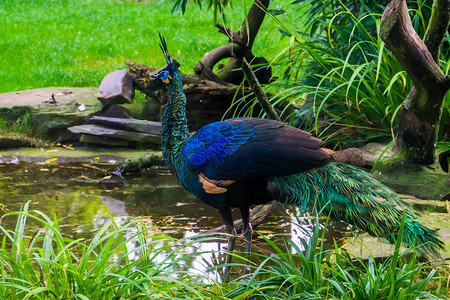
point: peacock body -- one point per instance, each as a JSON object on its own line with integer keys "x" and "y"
{"x": 242, "y": 162}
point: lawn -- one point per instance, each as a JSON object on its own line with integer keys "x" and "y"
{"x": 76, "y": 43}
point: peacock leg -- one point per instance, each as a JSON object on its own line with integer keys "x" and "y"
{"x": 247, "y": 232}
{"x": 228, "y": 219}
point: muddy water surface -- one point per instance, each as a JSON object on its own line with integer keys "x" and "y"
{"x": 85, "y": 196}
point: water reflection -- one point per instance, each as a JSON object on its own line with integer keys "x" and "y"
{"x": 85, "y": 196}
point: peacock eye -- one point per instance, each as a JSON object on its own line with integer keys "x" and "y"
{"x": 165, "y": 76}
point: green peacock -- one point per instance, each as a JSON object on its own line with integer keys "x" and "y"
{"x": 241, "y": 162}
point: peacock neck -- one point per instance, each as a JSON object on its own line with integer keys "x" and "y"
{"x": 174, "y": 125}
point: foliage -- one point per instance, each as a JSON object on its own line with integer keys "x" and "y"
{"x": 338, "y": 67}
{"x": 217, "y": 5}
{"x": 17, "y": 120}
{"x": 354, "y": 84}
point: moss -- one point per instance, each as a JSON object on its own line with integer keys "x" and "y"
{"x": 420, "y": 181}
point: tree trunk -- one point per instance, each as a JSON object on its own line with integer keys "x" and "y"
{"x": 239, "y": 46}
{"x": 420, "y": 113}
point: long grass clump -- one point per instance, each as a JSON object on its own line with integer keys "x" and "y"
{"x": 321, "y": 273}
{"x": 123, "y": 262}
{"x": 47, "y": 265}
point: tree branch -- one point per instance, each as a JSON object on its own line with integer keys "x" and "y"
{"x": 421, "y": 111}
{"x": 233, "y": 36}
{"x": 211, "y": 58}
{"x": 257, "y": 90}
{"x": 437, "y": 27}
{"x": 401, "y": 38}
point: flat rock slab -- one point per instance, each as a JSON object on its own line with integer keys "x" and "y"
{"x": 63, "y": 96}
{"x": 104, "y": 141}
{"x": 129, "y": 124}
{"x": 13, "y": 141}
{"x": 52, "y": 110}
{"x": 98, "y": 130}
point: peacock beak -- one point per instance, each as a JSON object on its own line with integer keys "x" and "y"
{"x": 154, "y": 75}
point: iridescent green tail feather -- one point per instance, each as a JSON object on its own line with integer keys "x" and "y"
{"x": 352, "y": 195}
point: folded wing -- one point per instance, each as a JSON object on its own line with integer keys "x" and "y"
{"x": 249, "y": 148}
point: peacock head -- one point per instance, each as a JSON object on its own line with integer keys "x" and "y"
{"x": 165, "y": 75}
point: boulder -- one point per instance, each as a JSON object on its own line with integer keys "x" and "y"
{"x": 116, "y": 88}
{"x": 49, "y": 111}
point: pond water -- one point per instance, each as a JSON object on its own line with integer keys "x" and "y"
{"x": 84, "y": 196}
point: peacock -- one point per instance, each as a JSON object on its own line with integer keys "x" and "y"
{"x": 242, "y": 162}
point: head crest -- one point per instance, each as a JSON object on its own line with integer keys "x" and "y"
{"x": 163, "y": 47}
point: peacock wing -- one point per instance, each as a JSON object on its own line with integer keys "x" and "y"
{"x": 248, "y": 148}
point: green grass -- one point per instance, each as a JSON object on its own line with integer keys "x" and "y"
{"x": 76, "y": 43}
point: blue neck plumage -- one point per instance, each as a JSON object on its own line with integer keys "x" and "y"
{"x": 174, "y": 126}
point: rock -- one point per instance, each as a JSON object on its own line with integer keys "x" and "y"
{"x": 12, "y": 141}
{"x": 137, "y": 165}
{"x": 421, "y": 181}
{"x": 433, "y": 214}
{"x": 35, "y": 99}
{"x": 117, "y": 111}
{"x": 103, "y": 140}
{"x": 79, "y": 154}
{"x": 154, "y": 110}
{"x": 116, "y": 88}
{"x": 363, "y": 245}
{"x": 97, "y": 130}
{"x": 129, "y": 124}
{"x": 138, "y": 110}
{"x": 144, "y": 110}
{"x": 50, "y": 120}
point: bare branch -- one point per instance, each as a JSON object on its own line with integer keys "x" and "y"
{"x": 437, "y": 27}
{"x": 233, "y": 36}
{"x": 211, "y": 58}
{"x": 257, "y": 90}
